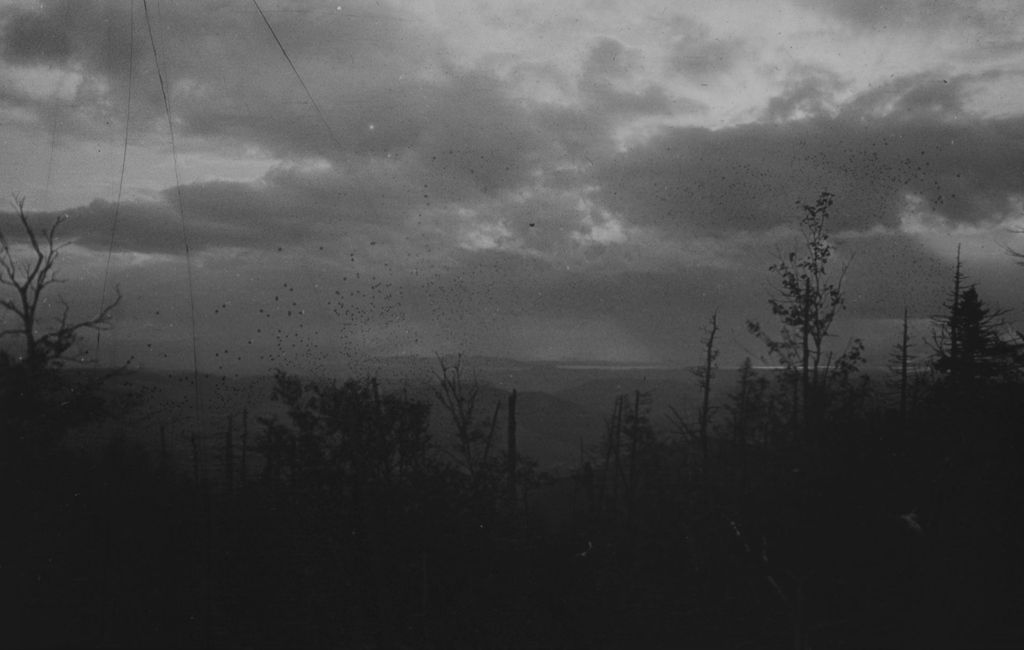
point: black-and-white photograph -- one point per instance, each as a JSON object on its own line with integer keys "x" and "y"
{"x": 512, "y": 324}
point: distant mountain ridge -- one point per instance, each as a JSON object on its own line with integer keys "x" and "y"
{"x": 562, "y": 409}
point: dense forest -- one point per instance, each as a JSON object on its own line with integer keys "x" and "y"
{"x": 818, "y": 505}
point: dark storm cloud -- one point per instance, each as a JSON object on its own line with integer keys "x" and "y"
{"x": 203, "y": 36}
{"x": 474, "y": 131}
{"x": 57, "y": 32}
{"x": 582, "y": 135}
{"x": 380, "y": 86}
{"x": 698, "y": 55}
{"x": 316, "y": 204}
{"x": 392, "y": 102}
{"x": 907, "y": 139}
{"x": 142, "y": 227}
{"x": 34, "y": 38}
{"x": 464, "y": 128}
{"x": 66, "y": 53}
{"x": 889, "y": 271}
{"x": 610, "y": 65}
{"x": 327, "y": 203}
{"x": 277, "y": 212}
{"x": 921, "y": 14}
{"x": 404, "y": 131}
{"x": 610, "y": 58}
{"x": 88, "y": 43}
{"x": 223, "y": 70}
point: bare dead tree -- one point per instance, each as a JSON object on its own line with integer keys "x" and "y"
{"x": 457, "y": 394}
{"x": 513, "y": 453}
{"x": 30, "y": 274}
{"x": 705, "y": 374}
{"x": 40, "y": 404}
{"x": 613, "y": 474}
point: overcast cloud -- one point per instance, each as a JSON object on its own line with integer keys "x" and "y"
{"x": 585, "y": 179}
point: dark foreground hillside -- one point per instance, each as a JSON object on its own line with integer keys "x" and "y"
{"x": 355, "y": 532}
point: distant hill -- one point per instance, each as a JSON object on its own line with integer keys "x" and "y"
{"x": 560, "y": 407}
{"x": 554, "y": 430}
{"x": 669, "y": 389}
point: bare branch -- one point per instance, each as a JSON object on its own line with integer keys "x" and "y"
{"x": 30, "y": 280}
{"x": 680, "y": 424}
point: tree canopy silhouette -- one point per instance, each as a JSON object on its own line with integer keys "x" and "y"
{"x": 31, "y": 274}
{"x": 806, "y": 302}
{"x": 970, "y": 349}
{"x": 38, "y": 403}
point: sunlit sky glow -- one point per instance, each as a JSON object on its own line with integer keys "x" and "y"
{"x": 581, "y": 179}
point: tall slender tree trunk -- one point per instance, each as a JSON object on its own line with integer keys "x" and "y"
{"x": 245, "y": 446}
{"x": 904, "y": 362}
{"x": 955, "y": 323}
{"x": 805, "y": 364}
{"x": 193, "y": 440}
{"x": 513, "y": 454}
{"x": 163, "y": 449}
{"x": 229, "y": 455}
{"x": 705, "y": 384}
{"x": 634, "y": 447}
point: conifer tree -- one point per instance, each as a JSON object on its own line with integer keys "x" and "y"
{"x": 970, "y": 349}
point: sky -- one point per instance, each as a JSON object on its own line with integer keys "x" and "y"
{"x": 584, "y": 180}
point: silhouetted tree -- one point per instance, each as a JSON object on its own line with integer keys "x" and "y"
{"x": 705, "y": 373}
{"x": 909, "y": 377}
{"x": 746, "y": 407}
{"x": 807, "y": 301}
{"x": 629, "y": 450}
{"x": 349, "y": 436}
{"x": 640, "y": 436}
{"x": 512, "y": 448}
{"x": 899, "y": 363}
{"x": 30, "y": 274}
{"x": 38, "y": 403}
{"x": 970, "y": 350}
{"x": 457, "y": 395}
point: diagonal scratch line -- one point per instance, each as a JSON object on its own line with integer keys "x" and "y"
{"x": 367, "y": 200}
{"x": 53, "y": 123}
{"x": 298, "y": 76}
{"x": 316, "y": 106}
{"x": 124, "y": 160}
{"x": 181, "y": 212}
